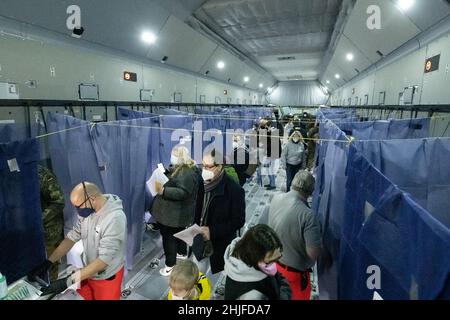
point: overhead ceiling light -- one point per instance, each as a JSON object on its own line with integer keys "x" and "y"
{"x": 148, "y": 37}
{"x": 405, "y": 5}
{"x": 246, "y": 79}
{"x": 337, "y": 76}
{"x": 261, "y": 85}
{"x": 350, "y": 56}
{"x": 328, "y": 81}
{"x": 220, "y": 64}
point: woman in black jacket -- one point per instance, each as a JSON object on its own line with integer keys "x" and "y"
{"x": 175, "y": 205}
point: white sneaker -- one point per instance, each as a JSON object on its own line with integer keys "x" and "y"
{"x": 182, "y": 257}
{"x": 165, "y": 272}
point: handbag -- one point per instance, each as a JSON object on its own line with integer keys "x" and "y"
{"x": 202, "y": 248}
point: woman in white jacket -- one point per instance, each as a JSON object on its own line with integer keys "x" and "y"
{"x": 250, "y": 267}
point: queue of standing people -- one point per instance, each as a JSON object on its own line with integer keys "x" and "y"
{"x": 268, "y": 262}
{"x": 254, "y": 264}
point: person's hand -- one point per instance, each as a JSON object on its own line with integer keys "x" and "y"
{"x": 205, "y": 232}
{"x": 39, "y": 270}
{"x": 159, "y": 188}
{"x": 57, "y": 286}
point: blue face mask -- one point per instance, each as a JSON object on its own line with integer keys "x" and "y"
{"x": 85, "y": 212}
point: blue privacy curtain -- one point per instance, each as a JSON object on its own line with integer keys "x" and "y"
{"x": 214, "y": 125}
{"x": 128, "y": 114}
{"x": 328, "y": 203}
{"x": 420, "y": 167}
{"x": 224, "y": 119}
{"x": 152, "y": 130}
{"x": 114, "y": 156}
{"x": 386, "y": 228}
{"x": 73, "y": 158}
{"x": 388, "y": 129}
{"x": 12, "y": 132}
{"x": 153, "y": 133}
{"x": 121, "y": 153}
{"x": 21, "y": 229}
{"x": 171, "y": 112}
{"x": 369, "y": 221}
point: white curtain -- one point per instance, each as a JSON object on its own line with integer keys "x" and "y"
{"x": 298, "y": 93}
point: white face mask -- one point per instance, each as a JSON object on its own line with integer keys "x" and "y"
{"x": 174, "y": 160}
{"x": 175, "y": 297}
{"x": 296, "y": 140}
{"x": 207, "y": 175}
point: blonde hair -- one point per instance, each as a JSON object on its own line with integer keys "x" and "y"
{"x": 184, "y": 157}
{"x": 185, "y": 273}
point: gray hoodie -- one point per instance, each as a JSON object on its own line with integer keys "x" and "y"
{"x": 103, "y": 234}
{"x": 239, "y": 271}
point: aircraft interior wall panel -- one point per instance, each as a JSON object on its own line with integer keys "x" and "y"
{"x": 436, "y": 84}
{"x": 111, "y": 113}
{"x": 396, "y": 29}
{"x": 410, "y": 71}
{"x": 440, "y": 125}
{"x": 13, "y": 115}
{"x": 234, "y": 66}
{"x": 177, "y": 83}
{"x": 183, "y": 46}
{"x": 362, "y": 88}
{"x": 24, "y": 60}
{"x": 96, "y": 114}
{"x": 58, "y": 71}
{"x": 145, "y": 109}
{"x": 63, "y": 71}
{"x": 209, "y": 90}
{"x": 110, "y": 77}
{"x": 422, "y": 115}
{"x": 155, "y": 78}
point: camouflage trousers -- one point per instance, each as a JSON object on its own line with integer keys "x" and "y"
{"x": 53, "y": 237}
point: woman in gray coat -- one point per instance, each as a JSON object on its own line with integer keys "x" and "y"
{"x": 293, "y": 156}
{"x": 174, "y": 206}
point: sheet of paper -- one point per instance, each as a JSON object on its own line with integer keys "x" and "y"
{"x": 13, "y": 165}
{"x": 157, "y": 176}
{"x": 188, "y": 234}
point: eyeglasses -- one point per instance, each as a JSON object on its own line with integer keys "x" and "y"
{"x": 274, "y": 260}
{"x": 209, "y": 166}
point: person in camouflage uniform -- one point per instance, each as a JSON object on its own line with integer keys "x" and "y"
{"x": 52, "y": 203}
